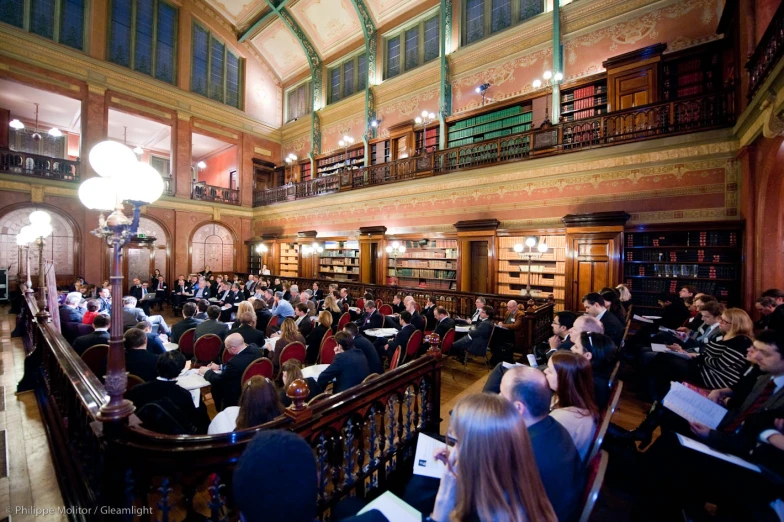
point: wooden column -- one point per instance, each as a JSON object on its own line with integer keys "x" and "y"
{"x": 594, "y": 254}
{"x": 470, "y": 235}
{"x": 182, "y": 155}
{"x": 308, "y": 266}
{"x": 369, "y": 236}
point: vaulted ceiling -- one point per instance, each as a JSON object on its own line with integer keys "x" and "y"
{"x": 331, "y": 26}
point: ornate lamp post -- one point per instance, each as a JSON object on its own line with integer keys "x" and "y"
{"x": 530, "y": 243}
{"x": 120, "y": 178}
{"x": 346, "y": 142}
{"x": 425, "y": 119}
{"x": 308, "y": 250}
{"x": 395, "y": 250}
{"x": 549, "y": 80}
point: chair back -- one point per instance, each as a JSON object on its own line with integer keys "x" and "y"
{"x": 133, "y": 381}
{"x": 327, "y": 351}
{"x": 418, "y": 307}
{"x": 629, "y": 313}
{"x": 295, "y": 350}
{"x": 343, "y": 321}
{"x": 186, "y": 343}
{"x": 360, "y": 303}
{"x": 597, "y": 468}
{"x": 379, "y": 302}
{"x": 227, "y": 355}
{"x": 393, "y": 363}
{"x": 385, "y": 309}
{"x": 614, "y": 376}
{"x": 95, "y": 358}
{"x": 261, "y": 366}
{"x": 448, "y": 341}
{"x": 370, "y": 377}
{"x": 605, "y": 424}
{"x": 625, "y": 334}
{"x": 345, "y": 307}
{"x": 413, "y": 345}
{"x": 207, "y": 348}
{"x": 273, "y": 322}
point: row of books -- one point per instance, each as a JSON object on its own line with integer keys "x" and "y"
{"x": 535, "y": 292}
{"x": 447, "y": 254}
{"x": 685, "y": 256}
{"x": 681, "y": 239}
{"x": 359, "y": 153}
{"x": 552, "y": 241}
{"x": 583, "y": 92}
{"x": 490, "y": 116}
{"x": 340, "y": 270}
{"x": 345, "y": 261}
{"x": 428, "y": 274}
{"x": 435, "y": 284}
{"x": 425, "y": 264}
{"x": 354, "y": 163}
{"x": 339, "y": 253}
{"x": 588, "y": 113}
{"x": 652, "y": 286}
{"x": 584, "y": 103}
{"x": 491, "y": 126}
{"x": 433, "y": 243}
{"x": 682, "y": 271}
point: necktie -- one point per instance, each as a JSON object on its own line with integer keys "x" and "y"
{"x": 764, "y": 395}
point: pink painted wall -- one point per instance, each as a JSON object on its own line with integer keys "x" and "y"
{"x": 300, "y": 146}
{"x": 405, "y": 109}
{"x": 218, "y": 167}
{"x": 331, "y": 134}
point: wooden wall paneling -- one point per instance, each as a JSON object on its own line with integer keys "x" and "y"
{"x": 308, "y": 265}
{"x": 372, "y": 254}
{"x": 633, "y": 78}
{"x": 468, "y": 232}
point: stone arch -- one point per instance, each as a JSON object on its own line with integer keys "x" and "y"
{"x": 213, "y": 244}
{"x": 161, "y": 252}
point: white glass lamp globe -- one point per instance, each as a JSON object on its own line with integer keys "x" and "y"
{"x": 558, "y": 77}
{"x": 21, "y": 240}
{"x": 320, "y": 249}
{"x": 42, "y": 230}
{"x": 98, "y": 194}
{"x": 27, "y": 233}
{"x": 537, "y": 84}
{"x": 530, "y": 241}
{"x": 542, "y": 247}
{"x": 547, "y": 75}
{"x": 417, "y": 120}
{"x": 110, "y": 158}
{"x": 518, "y": 248}
{"x": 401, "y": 249}
{"x": 395, "y": 244}
{"x": 142, "y": 183}
{"x": 40, "y": 217}
{"x": 389, "y": 250}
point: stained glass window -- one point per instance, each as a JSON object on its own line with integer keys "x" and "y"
{"x": 201, "y": 39}
{"x": 362, "y": 72}
{"x": 42, "y": 18}
{"x": 12, "y": 12}
{"x": 417, "y": 45}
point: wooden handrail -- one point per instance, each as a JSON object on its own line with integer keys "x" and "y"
{"x": 204, "y": 192}
{"x": 36, "y": 165}
{"x": 768, "y": 52}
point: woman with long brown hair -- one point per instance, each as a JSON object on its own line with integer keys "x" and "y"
{"x": 291, "y": 371}
{"x": 259, "y": 403}
{"x": 316, "y": 335}
{"x": 331, "y": 306}
{"x": 574, "y": 407}
{"x": 246, "y": 306}
{"x": 491, "y": 473}
{"x": 289, "y": 333}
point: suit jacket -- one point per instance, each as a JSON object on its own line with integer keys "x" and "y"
{"x": 210, "y": 326}
{"x": 401, "y": 339}
{"x": 162, "y": 290}
{"x": 612, "y": 327}
{"x": 71, "y": 315}
{"x": 515, "y": 324}
{"x": 201, "y": 316}
{"x": 418, "y": 321}
{"x": 178, "y": 329}
{"x": 249, "y": 334}
{"x": 674, "y": 315}
{"x": 106, "y": 306}
{"x": 131, "y": 316}
{"x": 305, "y": 326}
{"x": 262, "y": 319}
{"x": 157, "y": 390}
{"x": 227, "y": 385}
{"x": 136, "y": 291}
{"x": 371, "y": 354}
{"x": 142, "y": 364}
{"x": 318, "y": 295}
{"x": 348, "y": 369}
{"x": 444, "y": 326}
{"x": 234, "y": 298}
{"x": 374, "y": 320}
{"x": 348, "y": 300}
{"x": 205, "y": 292}
{"x": 480, "y": 336}
{"x": 84, "y": 342}
{"x": 398, "y": 308}
{"x": 313, "y": 342}
{"x": 154, "y": 344}
{"x": 776, "y": 319}
{"x": 430, "y": 317}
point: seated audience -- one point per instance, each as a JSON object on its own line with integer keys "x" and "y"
{"x": 133, "y": 315}
{"x": 105, "y": 298}
{"x": 154, "y": 344}
{"x": 313, "y": 339}
{"x": 366, "y": 347}
{"x": 776, "y": 318}
{"x": 613, "y": 305}
{"x": 570, "y": 377}
{"x": 330, "y": 305}
{"x": 397, "y": 304}
{"x": 371, "y": 319}
{"x": 172, "y": 398}
{"x": 244, "y": 327}
{"x": 444, "y": 322}
{"x": 291, "y": 370}
{"x": 475, "y": 342}
{"x": 348, "y": 368}
{"x": 93, "y": 309}
{"x": 624, "y": 294}
{"x": 226, "y": 385}
{"x": 212, "y": 325}
{"x": 70, "y": 311}
{"x": 429, "y": 313}
{"x": 302, "y": 319}
{"x": 202, "y": 306}
{"x": 100, "y": 335}
{"x": 282, "y": 308}
{"x": 138, "y": 361}
{"x": 602, "y": 354}
{"x": 305, "y": 299}
{"x": 258, "y": 404}
{"x": 613, "y": 328}
{"x": 480, "y": 303}
{"x": 561, "y": 339}
{"x": 345, "y": 298}
{"x": 387, "y": 348}
{"x": 263, "y": 315}
{"x": 288, "y": 334}
{"x": 188, "y": 322}
{"x": 514, "y": 323}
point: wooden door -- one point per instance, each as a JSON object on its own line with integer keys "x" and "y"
{"x": 593, "y": 262}
{"x": 479, "y": 268}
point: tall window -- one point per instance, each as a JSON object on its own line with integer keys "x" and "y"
{"x": 413, "y": 46}
{"x": 481, "y": 18}
{"x": 142, "y": 36}
{"x": 216, "y": 72}
{"x": 58, "y": 20}
{"x": 348, "y": 78}
{"x": 299, "y": 101}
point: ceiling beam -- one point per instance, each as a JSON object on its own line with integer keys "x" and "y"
{"x": 261, "y": 21}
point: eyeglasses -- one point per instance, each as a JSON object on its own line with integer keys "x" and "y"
{"x": 556, "y": 324}
{"x": 723, "y": 320}
{"x": 451, "y": 441}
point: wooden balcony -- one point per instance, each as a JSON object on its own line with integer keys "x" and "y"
{"x": 36, "y": 166}
{"x": 656, "y": 120}
{"x": 768, "y": 52}
{"x": 204, "y": 192}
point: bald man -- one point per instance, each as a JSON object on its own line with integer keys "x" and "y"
{"x": 226, "y": 380}
{"x": 514, "y": 328}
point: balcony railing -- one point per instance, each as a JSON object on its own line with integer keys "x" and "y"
{"x": 35, "y": 165}
{"x": 655, "y": 120}
{"x": 768, "y": 52}
{"x": 204, "y": 192}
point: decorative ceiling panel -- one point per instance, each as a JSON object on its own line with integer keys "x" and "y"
{"x": 281, "y": 49}
{"x": 385, "y": 10}
{"x": 329, "y": 24}
{"x": 237, "y": 11}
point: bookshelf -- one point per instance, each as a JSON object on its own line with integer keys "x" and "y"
{"x": 304, "y": 171}
{"x": 430, "y": 264}
{"x": 289, "y": 259}
{"x": 333, "y": 164}
{"x": 339, "y": 261}
{"x": 254, "y": 260}
{"x": 666, "y": 260}
{"x": 585, "y": 101}
{"x": 692, "y": 72}
{"x": 503, "y": 122}
{"x": 380, "y": 152}
{"x": 548, "y": 273}
{"x": 432, "y": 139}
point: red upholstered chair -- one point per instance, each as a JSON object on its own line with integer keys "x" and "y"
{"x": 207, "y": 348}
{"x": 186, "y": 343}
{"x": 597, "y": 467}
{"x": 294, "y": 350}
{"x": 261, "y": 366}
{"x": 133, "y": 381}
{"x": 344, "y": 319}
{"x": 327, "y": 351}
{"x": 226, "y": 357}
{"x": 95, "y": 359}
{"x": 345, "y": 307}
{"x": 360, "y": 303}
{"x": 393, "y": 363}
{"x": 386, "y": 309}
{"x": 448, "y": 341}
{"x": 379, "y": 302}
{"x": 414, "y": 343}
{"x": 273, "y": 322}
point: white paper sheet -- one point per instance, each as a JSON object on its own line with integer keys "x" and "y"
{"x": 641, "y": 319}
{"x": 692, "y": 406}
{"x": 192, "y": 380}
{"x": 424, "y": 463}
{"x": 707, "y": 450}
{"x": 662, "y": 348}
{"x": 393, "y": 508}
{"x": 509, "y": 365}
{"x": 170, "y": 346}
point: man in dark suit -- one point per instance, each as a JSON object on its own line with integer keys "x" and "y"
{"x": 188, "y": 322}
{"x": 429, "y": 313}
{"x": 71, "y": 312}
{"x": 776, "y": 318}
{"x": 161, "y": 293}
{"x": 200, "y": 291}
{"x": 105, "y": 297}
{"x": 249, "y": 334}
{"x": 594, "y": 306}
{"x": 348, "y": 368}
{"x": 561, "y": 340}
{"x": 227, "y": 385}
{"x": 165, "y": 392}
{"x": 480, "y": 303}
{"x": 154, "y": 344}
{"x": 318, "y": 294}
{"x": 397, "y": 304}
{"x": 133, "y": 315}
{"x": 444, "y": 323}
{"x": 345, "y": 298}
{"x": 674, "y": 311}
{"x": 179, "y": 293}
{"x": 302, "y": 319}
{"x": 138, "y": 360}
{"x": 211, "y": 325}
{"x": 100, "y": 335}
{"x": 366, "y": 347}
{"x": 371, "y": 319}
{"x": 513, "y": 326}
{"x": 387, "y": 349}
{"x": 477, "y": 339}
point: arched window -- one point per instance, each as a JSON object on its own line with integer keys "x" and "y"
{"x": 143, "y": 261}
{"x": 61, "y": 246}
{"x": 212, "y": 245}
